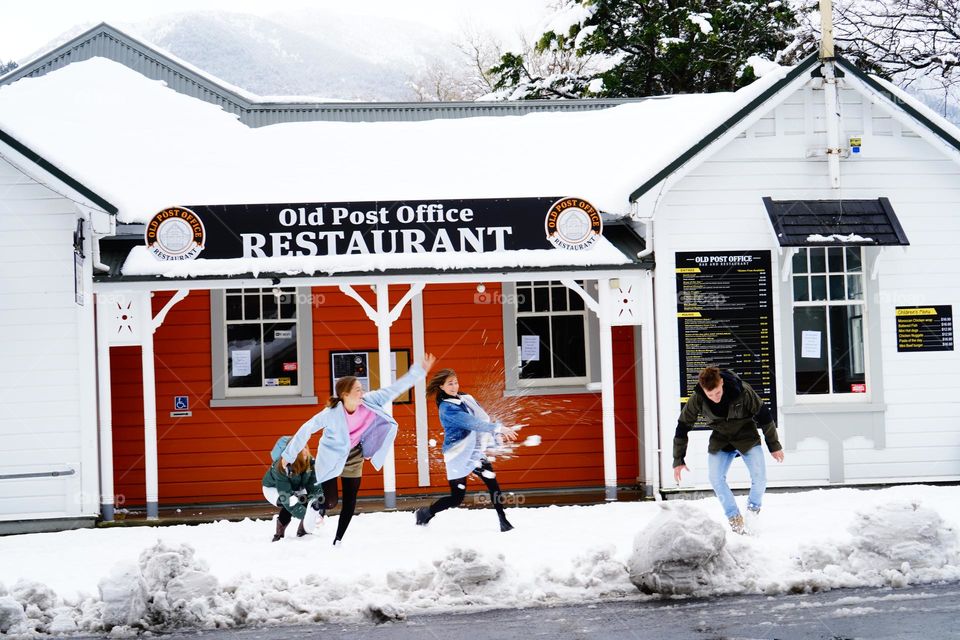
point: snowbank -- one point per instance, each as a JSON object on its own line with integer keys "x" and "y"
{"x": 127, "y": 580}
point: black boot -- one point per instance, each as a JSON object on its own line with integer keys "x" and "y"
{"x": 505, "y": 525}
{"x": 300, "y": 530}
{"x": 281, "y": 529}
{"x": 424, "y": 515}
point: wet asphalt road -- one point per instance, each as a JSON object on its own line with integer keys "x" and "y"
{"x": 929, "y": 612}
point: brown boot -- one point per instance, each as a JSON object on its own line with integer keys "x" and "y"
{"x": 736, "y": 523}
{"x": 300, "y": 530}
{"x": 281, "y": 529}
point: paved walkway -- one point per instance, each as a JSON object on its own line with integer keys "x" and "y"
{"x": 195, "y": 514}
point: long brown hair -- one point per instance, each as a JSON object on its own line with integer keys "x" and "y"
{"x": 437, "y": 380}
{"x": 301, "y": 464}
{"x": 342, "y": 388}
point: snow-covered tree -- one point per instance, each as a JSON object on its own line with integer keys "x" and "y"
{"x": 463, "y": 77}
{"x": 628, "y": 48}
{"x": 914, "y": 43}
{"x": 7, "y": 67}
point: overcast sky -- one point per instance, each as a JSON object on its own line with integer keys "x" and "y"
{"x": 27, "y": 25}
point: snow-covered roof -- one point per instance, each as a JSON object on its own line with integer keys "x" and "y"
{"x": 145, "y": 147}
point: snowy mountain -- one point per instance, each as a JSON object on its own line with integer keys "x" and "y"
{"x": 314, "y": 52}
{"x": 307, "y": 53}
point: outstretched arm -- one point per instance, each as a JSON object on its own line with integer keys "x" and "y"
{"x": 300, "y": 438}
{"x": 386, "y": 394}
{"x": 452, "y": 417}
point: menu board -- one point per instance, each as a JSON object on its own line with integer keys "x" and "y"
{"x": 925, "y": 328}
{"x": 725, "y": 318}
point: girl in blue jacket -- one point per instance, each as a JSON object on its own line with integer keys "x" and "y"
{"x": 467, "y": 431}
{"x": 355, "y": 426}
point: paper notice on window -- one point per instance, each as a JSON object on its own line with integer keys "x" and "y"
{"x": 529, "y": 348}
{"x": 240, "y": 363}
{"x": 810, "y": 344}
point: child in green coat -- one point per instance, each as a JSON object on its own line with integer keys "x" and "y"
{"x": 294, "y": 490}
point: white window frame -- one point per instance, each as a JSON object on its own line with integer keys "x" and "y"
{"x": 832, "y": 396}
{"x": 302, "y": 393}
{"x": 514, "y": 385}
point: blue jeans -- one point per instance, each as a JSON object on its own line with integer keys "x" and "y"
{"x": 719, "y": 464}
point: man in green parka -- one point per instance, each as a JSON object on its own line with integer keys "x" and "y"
{"x": 733, "y": 411}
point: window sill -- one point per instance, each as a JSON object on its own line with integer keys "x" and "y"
{"x": 838, "y": 407}
{"x": 549, "y": 391}
{"x": 262, "y": 401}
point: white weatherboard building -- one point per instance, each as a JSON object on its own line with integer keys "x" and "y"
{"x": 801, "y": 230}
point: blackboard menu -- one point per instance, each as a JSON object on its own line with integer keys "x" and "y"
{"x": 925, "y": 328}
{"x": 725, "y": 318}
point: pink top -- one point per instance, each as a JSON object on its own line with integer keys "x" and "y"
{"x": 357, "y": 422}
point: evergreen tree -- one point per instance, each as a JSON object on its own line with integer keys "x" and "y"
{"x": 650, "y": 47}
{"x": 6, "y": 67}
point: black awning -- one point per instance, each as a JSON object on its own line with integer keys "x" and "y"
{"x": 814, "y": 223}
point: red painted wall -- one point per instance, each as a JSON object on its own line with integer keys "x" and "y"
{"x": 219, "y": 455}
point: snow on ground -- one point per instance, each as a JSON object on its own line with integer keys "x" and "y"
{"x": 229, "y": 574}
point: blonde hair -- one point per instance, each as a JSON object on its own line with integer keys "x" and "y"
{"x": 301, "y": 464}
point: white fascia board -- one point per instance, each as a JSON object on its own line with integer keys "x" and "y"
{"x": 35, "y": 172}
{"x": 360, "y": 280}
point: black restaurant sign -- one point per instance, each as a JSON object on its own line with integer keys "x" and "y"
{"x": 372, "y": 227}
{"x": 725, "y": 318}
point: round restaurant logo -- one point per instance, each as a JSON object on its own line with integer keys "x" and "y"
{"x": 573, "y": 223}
{"x": 175, "y": 233}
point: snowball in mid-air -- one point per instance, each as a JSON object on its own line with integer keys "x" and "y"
{"x": 531, "y": 441}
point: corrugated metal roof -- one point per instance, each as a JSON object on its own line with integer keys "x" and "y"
{"x": 109, "y": 42}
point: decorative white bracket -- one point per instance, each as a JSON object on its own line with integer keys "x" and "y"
{"x": 620, "y": 308}
{"x": 592, "y": 304}
{"x": 875, "y": 267}
{"x": 383, "y": 316}
{"x": 786, "y": 262}
{"x": 160, "y": 317}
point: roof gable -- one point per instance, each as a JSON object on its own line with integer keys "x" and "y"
{"x": 895, "y": 97}
{"x": 725, "y": 126}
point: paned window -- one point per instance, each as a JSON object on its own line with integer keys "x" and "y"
{"x": 828, "y": 321}
{"x": 261, "y": 342}
{"x": 552, "y": 340}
